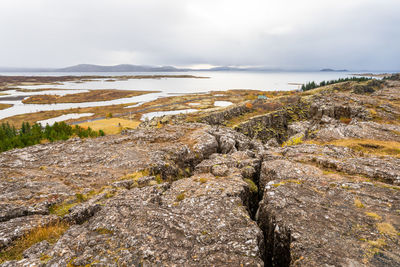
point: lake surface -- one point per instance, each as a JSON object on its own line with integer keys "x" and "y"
{"x": 217, "y": 81}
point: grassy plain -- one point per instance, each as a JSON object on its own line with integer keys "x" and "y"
{"x": 112, "y": 125}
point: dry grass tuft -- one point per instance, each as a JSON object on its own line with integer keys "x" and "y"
{"x": 51, "y": 233}
{"x": 386, "y": 228}
{"x": 373, "y": 215}
{"x": 368, "y": 146}
{"x": 358, "y": 203}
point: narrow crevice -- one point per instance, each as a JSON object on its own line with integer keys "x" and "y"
{"x": 277, "y": 240}
{"x": 275, "y": 247}
{"x": 255, "y": 196}
{"x": 17, "y": 213}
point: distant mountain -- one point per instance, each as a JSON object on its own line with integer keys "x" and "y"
{"x": 139, "y": 68}
{"x": 226, "y": 69}
{"x": 117, "y": 68}
{"x": 333, "y": 70}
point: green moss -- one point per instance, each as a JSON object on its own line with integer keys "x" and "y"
{"x": 286, "y": 182}
{"x": 44, "y": 258}
{"x": 136, "y": 175}
{"x": 62, "y": 209}
{"x": 110, "y": 194}
{"x": 252, "y": 186}
{"x": 180, "y": 197}
{"x": 104, "y": 231}
{"x": 159, "y": 179}
{"x": 203, "y": 180}
{"x": 293, "y": 141}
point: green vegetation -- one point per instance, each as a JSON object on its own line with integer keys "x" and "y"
{"x": 62, "y": 209}
{"x": 29, "y": 135}
{"x": 313, "y": 85}
{"x": 358, "y": 203}
{"x": 252, "y": 186}
{"x": 393, "y": 77}
{"x": 296, "y": 140}
{"x": 203, "y": 180}
{"x": 180, "y": 197}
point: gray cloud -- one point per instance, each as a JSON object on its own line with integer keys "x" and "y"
{"x": 358, "y": 34}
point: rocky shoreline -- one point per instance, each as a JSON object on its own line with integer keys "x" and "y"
{"x": 270, "y": 190}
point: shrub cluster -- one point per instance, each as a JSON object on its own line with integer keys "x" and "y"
{"x": 312, "y": 85}
{"x": 29, "y": 135}
{"x": 393, "y": 77}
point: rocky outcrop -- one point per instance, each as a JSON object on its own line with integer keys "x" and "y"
{"x": 314, "y": 218}
{"x": 217, "y": 118}
{"x": 279, "y": 191}
{"x": 208, "y": 225}
{"x": 120, "y": 214}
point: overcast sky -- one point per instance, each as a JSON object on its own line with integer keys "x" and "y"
{"x": 295, "y": 34}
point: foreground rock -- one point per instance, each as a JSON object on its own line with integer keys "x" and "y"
{"x": 311, "y": 218}
{"x": 193, "y": 222}
{"x": 200, "y": 220}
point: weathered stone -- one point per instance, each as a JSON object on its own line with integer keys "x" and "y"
{"x": 124, "y": 183}
{"x": 312, "y": 219}
{"x": 37, "y": 250}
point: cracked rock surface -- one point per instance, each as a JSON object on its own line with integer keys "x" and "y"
{"x": 191, "y": 194}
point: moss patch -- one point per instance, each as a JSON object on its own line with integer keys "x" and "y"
{"x": 104, "y": 231}
{"x": 63, "y": 208}
{"x": 286, "y": 182}
{"x": 180, "y": 197}
{"x": 293, "y": 141}
{"x": 252, "y": 186}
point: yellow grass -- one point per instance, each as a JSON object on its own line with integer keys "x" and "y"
{"x": 358, "y": 203}
{"x": 4, "y": 106}
{"x": 111, "y": 126}
{"x": 387, "y": 229}
{"x": 51, "y": 233}
{"x": 368, "y": 146}
{"x": 373, "y": 215}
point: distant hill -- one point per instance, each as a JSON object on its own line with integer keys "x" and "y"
{"x": 117, "y": 68}
{"x": 139, "y": 68}
{"x": 333, "y": 70}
